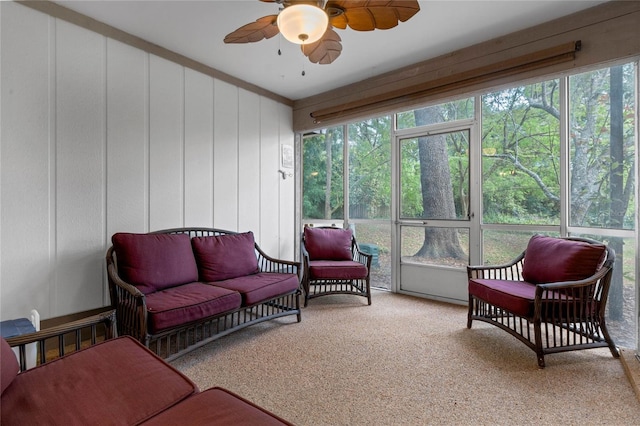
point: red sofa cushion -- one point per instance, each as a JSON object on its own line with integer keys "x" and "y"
{"x": 328, "y": 243}
{"x": 188, "y": 302}
{"x": 216, "y": 406}
{"x": 133, "y": 383}
{"x": 261, "y": 286}
{"x": 549, "y": 260}
{"x": 515, "y": 296}
{"x": 153, "y": 262}
{"x": 227, "y": 256}
{"x": 337, "y": 269}
{"x": 8, "y": 365}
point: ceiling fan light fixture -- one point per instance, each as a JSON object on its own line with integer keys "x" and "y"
{"x": 302, "y": 23}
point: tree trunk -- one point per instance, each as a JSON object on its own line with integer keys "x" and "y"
{"x": 328, "y": 141}
{"x": 437, "y": 192}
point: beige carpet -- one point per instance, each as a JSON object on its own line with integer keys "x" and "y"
{"x": 409, "y": 361}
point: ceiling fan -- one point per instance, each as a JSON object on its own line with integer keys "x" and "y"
{"x": 311, "y": 23}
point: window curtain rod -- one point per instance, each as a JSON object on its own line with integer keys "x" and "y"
{"x": 555, "y": 55}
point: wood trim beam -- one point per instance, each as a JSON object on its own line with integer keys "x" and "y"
{"x": 537, "y": 60}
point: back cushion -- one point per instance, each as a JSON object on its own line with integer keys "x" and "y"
{"x": 8, "y": 365}
{"x": 225, "y": 256}
{"x": 328, "y": 243}
{"x": 549, "y": 260}
{"x": 153, "y": 262}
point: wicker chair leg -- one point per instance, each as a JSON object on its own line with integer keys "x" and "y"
{"x": 470, "y": 312}
{"x": 607, "y": 337}
{"x": 537, "y": 328}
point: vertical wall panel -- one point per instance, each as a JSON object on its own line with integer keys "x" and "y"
{"x": 98, "y": 137}
{"x": 287, "y": 188}
{"x": 80, "y": 145}
{"x": 166, "y": 201}
{"x": 25, "y": 164}
{"x": 198, "y": 161}
{"x": 269, "y": 177}
{"x": 127, "y": 139}
{"x": 225, "y": 156}
{"x": 249, "y": 163}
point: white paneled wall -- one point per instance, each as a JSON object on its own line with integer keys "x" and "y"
{"x": 99, "y": 137}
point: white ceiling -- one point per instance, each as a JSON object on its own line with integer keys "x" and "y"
{"x": 196, "y": 29}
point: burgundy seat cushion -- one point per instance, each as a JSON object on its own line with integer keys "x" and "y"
{"x": 549, "y": 260}
{"x": 152, "y": 262}
{"x": 188, "y": 302}
{"x": 519, "y": 296}
{"x": 8, "y": 365}
{"x": 216, "y": 406}
{"x": 328, "y": 243}
{"x": 225, "y": 256}
{"x": 515, "y": 296}
{"x": 337, "y": 269}
{"x": 117, "y": 382}
{"x": 261, "y": 286}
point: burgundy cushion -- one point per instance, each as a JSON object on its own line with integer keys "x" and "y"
{"x": 8, "y": 365}
{"x": 549, "y": 260}
{"x": 189, "y": 302}
{"x": 216, "y": 406}
{"x": 261, "y": 286}
{"x": 117, "y": 382}
{"x": 152, "y": 262}
{"x": 225, "y": 256}
{"x": 337, "y": 269}
{"x": 515, "y": 296}
{"x": 328, "y": 243}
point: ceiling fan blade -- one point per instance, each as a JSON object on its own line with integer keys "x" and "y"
{"x": 264, "y": 27}
{"x": 324, "y": 51}
{"x": 367, "y": 15}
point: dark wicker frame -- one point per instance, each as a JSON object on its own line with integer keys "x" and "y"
{"x": 567, "y": 316}
{"x": 316, "y": 288}
{"x": 85, "y": 332}
{"x": 131, "y": 308}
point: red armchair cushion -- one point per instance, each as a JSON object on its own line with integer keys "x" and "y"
{"x": 83, "y": 388}
{"x": 189, "y": 302}
{"x": 153, "y": 262}
{"x": 8, "y": 365}
{"x": 223, "y": 257}
{"x": 515, "y": 296}
{"x": 262, "y": 286}
{"x": 337, "y": 270}
{"x": 328, "y": 243}
{"x": 549, "y": 260}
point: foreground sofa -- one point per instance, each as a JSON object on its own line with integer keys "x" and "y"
{"x": 177, "y": 289}
{"x": 114, "y": 382}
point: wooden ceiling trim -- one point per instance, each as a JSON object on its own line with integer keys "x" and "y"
{"x": 521, "y": 64}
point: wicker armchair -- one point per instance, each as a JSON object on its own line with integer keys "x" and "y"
{"x": 332, "y": 263}
{"x": 552, "y": 297}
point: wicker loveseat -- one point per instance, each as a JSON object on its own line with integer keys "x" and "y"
{"x": 175, "y": 290}
{"x": 111, "y": 382}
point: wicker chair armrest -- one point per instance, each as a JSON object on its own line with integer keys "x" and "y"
{"x": 362, "y": 257}
{"x": 271, "y": 264}
{"x": 514, "y": 267}
{"x": 130, "y": 305}
{"x": 125, "y": 286}
{"x": 562, "y": 285}
{"x": 88, "y": 325}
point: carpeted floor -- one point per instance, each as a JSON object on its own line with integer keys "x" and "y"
{"x": 409, "y": 361}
